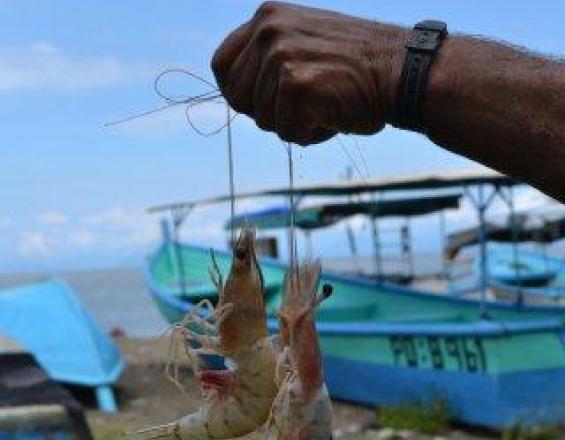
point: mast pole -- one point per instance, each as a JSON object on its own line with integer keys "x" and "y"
{"x": 181, "y": 276}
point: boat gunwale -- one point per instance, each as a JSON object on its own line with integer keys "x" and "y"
{"x": 389, "y": 287}
{"x": 481, "y": 327}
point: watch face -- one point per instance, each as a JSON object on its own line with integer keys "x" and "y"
{"x": 428, "y": 35}
{"x": 432, "y": 25}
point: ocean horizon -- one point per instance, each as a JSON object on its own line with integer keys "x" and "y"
{"x": 118, "y": 299}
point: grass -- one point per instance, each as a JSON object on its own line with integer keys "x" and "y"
{"x": 427, "y": 419}
{"x": 545, "y": 432}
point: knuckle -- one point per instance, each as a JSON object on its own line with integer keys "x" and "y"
{"x": 293, "y": 78}
{"x": 279, "y": 54}
{"x": 269, "y": 31}
{"x": 268, "y": 8}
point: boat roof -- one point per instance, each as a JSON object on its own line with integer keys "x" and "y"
{"x": 48, "y": 320}
{"x": 518, "y": 228}
{"x": 422, "y": 181}
{"x": 318, "y": 216}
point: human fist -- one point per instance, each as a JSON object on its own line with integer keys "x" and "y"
{"x": 308, "y": 74}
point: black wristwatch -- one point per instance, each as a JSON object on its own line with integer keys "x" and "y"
{"x": 420, "y": 50}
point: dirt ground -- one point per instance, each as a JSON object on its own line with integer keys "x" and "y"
{"x": 147, "y": 398}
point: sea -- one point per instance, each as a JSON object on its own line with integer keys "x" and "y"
{"x": 118, "y": 299}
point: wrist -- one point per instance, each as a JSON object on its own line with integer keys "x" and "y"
{"x": 386, "y": 65}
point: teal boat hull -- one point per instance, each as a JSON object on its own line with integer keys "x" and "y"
{"x": 400, "y": 346}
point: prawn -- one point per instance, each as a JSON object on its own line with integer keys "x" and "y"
{"x": 236, "y": 400}
{"x": 302, "y": 409}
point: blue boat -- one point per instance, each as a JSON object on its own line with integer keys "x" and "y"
{"x": 516, "y": 274}
{"x": 385, "y": 344}
{"x": 48, "y": 320}
{"x": 508, "y": 264}
{"x": 390, "y": 345}
{"x": 525, "y": 275}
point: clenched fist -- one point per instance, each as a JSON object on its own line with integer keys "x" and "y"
{"x": 308, "y": 74}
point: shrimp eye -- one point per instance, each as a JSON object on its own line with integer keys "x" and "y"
{"x": 239, "y": 254}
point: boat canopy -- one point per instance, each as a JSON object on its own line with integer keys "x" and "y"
{"x": 521, "y": 229}
{"x": 319, "y": 216}
{"x": 414, "y": 182}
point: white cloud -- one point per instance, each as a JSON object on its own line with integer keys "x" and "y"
{"x": 120, "y": 225}
{"x": 35, "y": 244}
{"x": 117, "y": 216}
{"x": 52, "y": 218}
{"x": 42, "y": 65}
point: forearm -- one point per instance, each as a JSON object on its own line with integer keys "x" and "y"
{"x": 308, "y": 74}
{"x": 502, "y": 107}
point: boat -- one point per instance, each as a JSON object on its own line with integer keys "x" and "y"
{"x": 519, "y": 266}
{"x": 390, "y": 345}
{"x": 526, "y": 275}
{"x": 387, "y": 344}
{"x": 49, "y": 321}
{"x": 32, "y": 406}
{"x": 399, "y": 268}
{"x": 508, "y": 265}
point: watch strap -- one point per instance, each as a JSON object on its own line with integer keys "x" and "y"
{"x": 420, "y": 50}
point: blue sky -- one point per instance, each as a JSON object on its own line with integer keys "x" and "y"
{"x": 73, "y": 193}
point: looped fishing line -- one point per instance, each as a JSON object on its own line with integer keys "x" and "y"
{"x": 213, "y": 95}
{"x": 190, "y": 101}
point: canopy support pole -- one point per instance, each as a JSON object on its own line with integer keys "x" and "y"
{"x": 376, "y": 242}
{"x": 377, "y": 249}
{"x": 509, "y": 200}
{"x": 443, "y": 243}
{"x": 178, "y": 216}
{"x": 481, "y": 204}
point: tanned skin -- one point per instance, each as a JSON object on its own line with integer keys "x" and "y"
{"x": 308, "y": 74}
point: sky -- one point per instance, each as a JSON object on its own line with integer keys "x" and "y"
{"x": 74, "y": 193}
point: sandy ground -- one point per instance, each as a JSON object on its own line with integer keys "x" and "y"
{"x": 147, "y": 398}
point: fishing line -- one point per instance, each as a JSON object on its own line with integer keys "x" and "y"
{"x": 350, "y": 157}
{"x": 161, "y": 76}
{"x": 292, "y": 236}
{"x": 361, "y": 156}
{"x": 213, "y": 96}
{"x": 292, "y": 245}
{"x": 231, "y": 177}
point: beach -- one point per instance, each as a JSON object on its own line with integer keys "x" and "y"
{"x": 119, "y": 301}
{"x": 147, "y": 398}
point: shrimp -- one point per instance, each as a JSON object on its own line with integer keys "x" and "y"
{"x": 302, "y": 409}
{"x": 237, "y": 399}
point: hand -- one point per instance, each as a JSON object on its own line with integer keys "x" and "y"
{"x": 308, "y": 74}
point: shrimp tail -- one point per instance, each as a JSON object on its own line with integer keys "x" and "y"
{"x": 191, "y": 427}
{"x": 166, "y": 431}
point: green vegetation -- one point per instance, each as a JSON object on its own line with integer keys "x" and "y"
{"x": 545, "y": 432}
{"x": 428, "y": 419}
